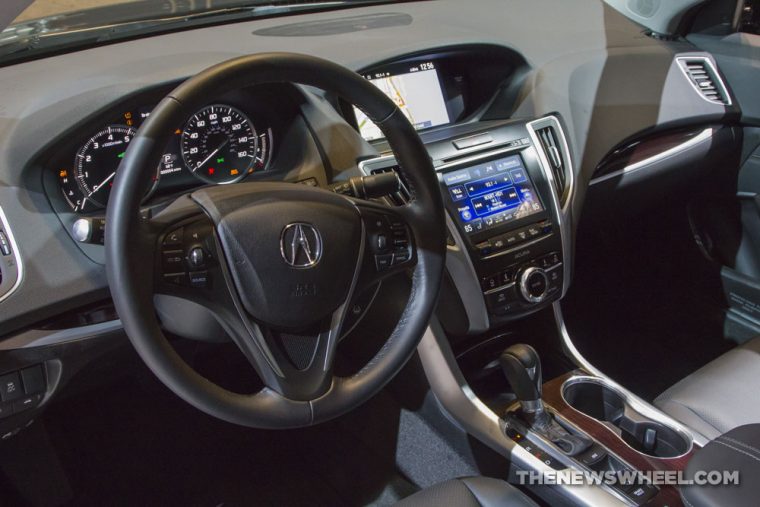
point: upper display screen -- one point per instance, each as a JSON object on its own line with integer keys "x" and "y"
{"x": 416, "y": 90}
{"x": 492, "y": 193}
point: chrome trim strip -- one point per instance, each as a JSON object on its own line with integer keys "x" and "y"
{"x": 703, "y": 136}
{"x": 641, "y": 406}
{"x": 561, "y": 213}
{"x": 16, "y": 256}
{"x": 605, "y": 382}
{"x": 485, "y": 153}
{"x": 680, "y": 61}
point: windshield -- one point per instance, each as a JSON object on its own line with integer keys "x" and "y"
{"x": 36, "y": 28}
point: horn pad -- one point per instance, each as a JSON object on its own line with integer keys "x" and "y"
{"x": 292, "y": 250}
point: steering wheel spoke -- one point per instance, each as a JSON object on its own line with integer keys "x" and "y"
{"x": 390, "y": 247}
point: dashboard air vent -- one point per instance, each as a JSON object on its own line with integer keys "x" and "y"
{"x": 705, "y": 79}
{"x": 547, "y": 136}
{"x": 402, "y": 196}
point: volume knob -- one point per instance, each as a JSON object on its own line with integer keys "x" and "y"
{"x": 534, "y": 284}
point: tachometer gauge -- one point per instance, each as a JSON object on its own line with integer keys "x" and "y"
{"x": 219, "y": 144}
{"x": 98, "y": 159}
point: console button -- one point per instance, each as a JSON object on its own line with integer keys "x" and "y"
{"x": 593, "y": 456}
{"x": 499, "y": 243}
{"x": 489, "y": 282}
{"x": 10, "y": 387}
{"x": 33, "y": 379}
{"x": 484, "y": 248}
{"x": 5, "y": 410}
{"x": 534, "y": 231}
{"x": 502, "y": 301}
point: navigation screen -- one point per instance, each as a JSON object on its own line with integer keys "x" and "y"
{"x": 492, "y": 193}
{"x": 416, "y": 90}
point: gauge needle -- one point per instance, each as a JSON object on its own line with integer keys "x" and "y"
{"x": 211, "y": 154}
{"x": 101, "y": 184}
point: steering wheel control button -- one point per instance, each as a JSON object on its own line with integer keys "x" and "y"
{"x": 176, "y": 278}
{"x": 199, "y": 279}
{"x": 10, "y": 387}
{"x": 172, "y": 261}
{"x": 174, "y": 238}
{"x": 534, "y": 285}
{"x": 5, "y": 410}
{"x": 196, "y": 258}
{"x": 383, "y": 262}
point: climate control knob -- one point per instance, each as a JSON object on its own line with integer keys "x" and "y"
{"x": 533, "y": 284}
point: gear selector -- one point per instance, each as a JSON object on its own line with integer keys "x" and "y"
{"x": 522, "y": 367}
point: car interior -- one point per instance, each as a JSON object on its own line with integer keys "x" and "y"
{"x": 370, "y": 253}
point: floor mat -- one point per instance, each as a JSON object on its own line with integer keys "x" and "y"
{"x": 128, "y": 445}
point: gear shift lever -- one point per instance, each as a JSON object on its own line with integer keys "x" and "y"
{"x": 522, "y": 367}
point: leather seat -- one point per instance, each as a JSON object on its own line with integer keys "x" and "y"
{"x": 469, "y": 492}
{"x": 720, "y": 396}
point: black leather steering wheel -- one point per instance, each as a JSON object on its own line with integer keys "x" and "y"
{"x": 280, "y": 262}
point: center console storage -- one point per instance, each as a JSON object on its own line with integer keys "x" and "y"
{"x": 591, "y": 396}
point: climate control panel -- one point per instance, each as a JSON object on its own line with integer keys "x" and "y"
{"x": 521, "y": 286}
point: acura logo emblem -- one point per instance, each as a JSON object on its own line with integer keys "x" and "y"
{"x": 301, "y": 245}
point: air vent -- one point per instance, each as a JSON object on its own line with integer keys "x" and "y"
{"x": 705, "y": 79}
{"x": 401, "y": 197}
{"x": 549, "y": 140}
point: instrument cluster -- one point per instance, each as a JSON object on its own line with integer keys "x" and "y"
{"x": 223, "y": 142}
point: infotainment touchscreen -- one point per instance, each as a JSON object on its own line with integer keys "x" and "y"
{"x": 416, "y": 90}
{"x": 492, "y": 193}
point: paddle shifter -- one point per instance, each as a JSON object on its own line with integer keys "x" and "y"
{"x": 522, "y": 367}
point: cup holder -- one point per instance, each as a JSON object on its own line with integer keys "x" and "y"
{"x": 605, "y": 404}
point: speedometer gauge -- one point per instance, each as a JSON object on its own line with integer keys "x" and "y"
{"x": 219, "y": 144}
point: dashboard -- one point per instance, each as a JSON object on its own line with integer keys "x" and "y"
{"x": 476, "y": 71}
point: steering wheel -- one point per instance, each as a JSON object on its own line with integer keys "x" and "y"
{"x": 276, "y": 264}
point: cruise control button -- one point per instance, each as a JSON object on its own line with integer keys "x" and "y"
{"x": 401, "y": 256}
{"x": 172, "y": 261}
{"x": 383, "y": 262}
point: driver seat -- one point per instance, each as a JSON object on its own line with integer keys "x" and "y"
{"x": 469, "y": 492}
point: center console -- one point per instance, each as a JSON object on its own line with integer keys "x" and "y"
{"x": 504, "y": 190}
